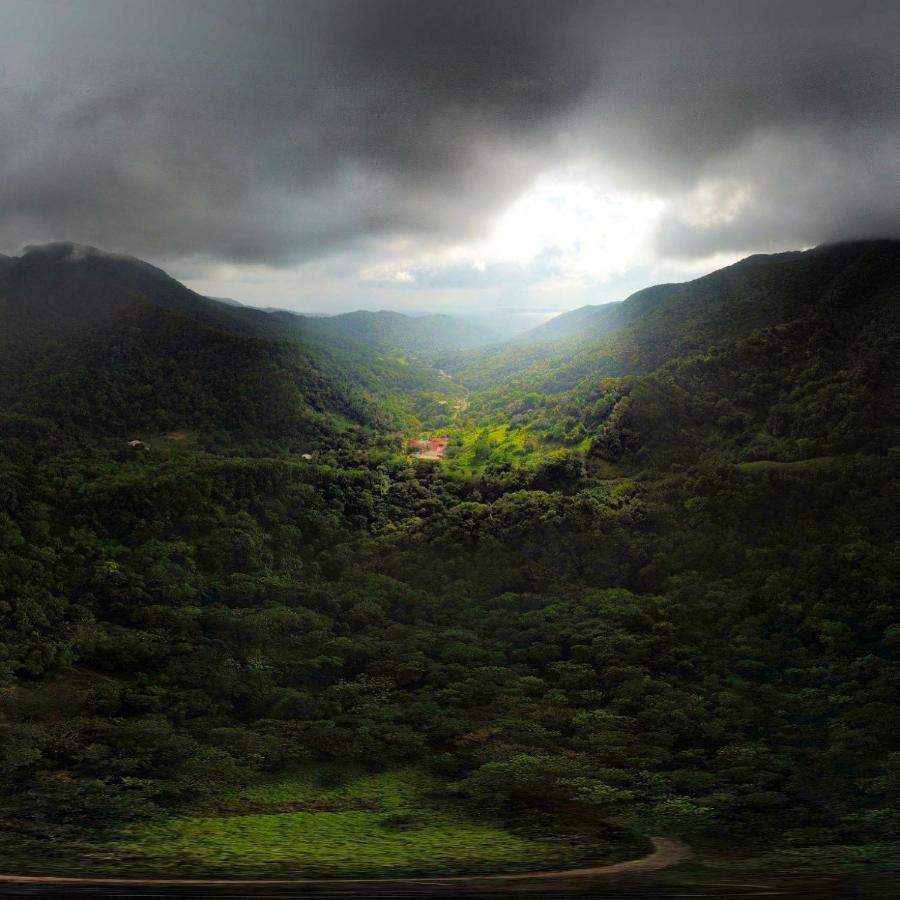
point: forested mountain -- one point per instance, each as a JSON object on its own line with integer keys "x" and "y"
{"x": 778, "y": 357}
{"x": 653, "y": 589}
{"x": 667, "y": 321}
{"x": 62, "y": 292}
{"x": 589, "y": 323}
{"x": 424, "y": 336}
{"x": 105, "y": 344}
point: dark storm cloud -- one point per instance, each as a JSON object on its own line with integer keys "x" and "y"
{"x": 279, "y": 131}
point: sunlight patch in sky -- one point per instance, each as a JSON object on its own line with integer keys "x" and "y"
{"x": 570, "y": 238}
{"x": 582, "y": 230}
{"x": 563, "y": 227}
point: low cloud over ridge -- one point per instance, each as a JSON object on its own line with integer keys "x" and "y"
{"x": 277, "y": 133}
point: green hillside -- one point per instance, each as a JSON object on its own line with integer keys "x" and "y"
{"x": 104, "y": 346}
{"x": 774, "y": 357}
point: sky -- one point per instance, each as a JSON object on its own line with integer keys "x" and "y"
{"x": 503, "y": 157}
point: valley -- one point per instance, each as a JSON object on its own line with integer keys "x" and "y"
{"x": 647, "y": 587}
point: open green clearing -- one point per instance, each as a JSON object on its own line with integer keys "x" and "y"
{"x": 471, "y": 449}
{"x": 337, "y": 823}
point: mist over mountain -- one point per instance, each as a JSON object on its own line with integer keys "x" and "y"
{"x": 590, "y": 322}
{"x": 428, "y": 336}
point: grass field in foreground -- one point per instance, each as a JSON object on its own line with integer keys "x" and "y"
{"x": 384, "y": 824}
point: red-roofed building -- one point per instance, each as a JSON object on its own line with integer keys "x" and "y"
{"x": 431, "y": 448}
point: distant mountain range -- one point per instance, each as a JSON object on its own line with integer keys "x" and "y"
{"x": 426, "y": 337}
{"x": 99, "y": 340}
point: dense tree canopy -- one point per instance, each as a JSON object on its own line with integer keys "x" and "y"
{"x": 686, "y": 622}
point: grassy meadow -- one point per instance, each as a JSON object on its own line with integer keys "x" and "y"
{"x": 337, "y": 823}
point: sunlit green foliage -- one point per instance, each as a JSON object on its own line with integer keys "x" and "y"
{"x": 326, "y": 823}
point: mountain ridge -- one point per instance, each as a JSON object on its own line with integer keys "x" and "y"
{"x": 672, "y": 319}
{"x": 64, "y": 306}
{"x": 798, "y": 352}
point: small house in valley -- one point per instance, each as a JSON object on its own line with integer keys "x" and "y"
{"x": 429, "y": 448}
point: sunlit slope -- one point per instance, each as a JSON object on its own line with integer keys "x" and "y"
{"x": 790, "y": 355}
{"x": 562, "y": 335}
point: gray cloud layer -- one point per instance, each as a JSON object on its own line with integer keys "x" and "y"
{"x": 277, "y": 132}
